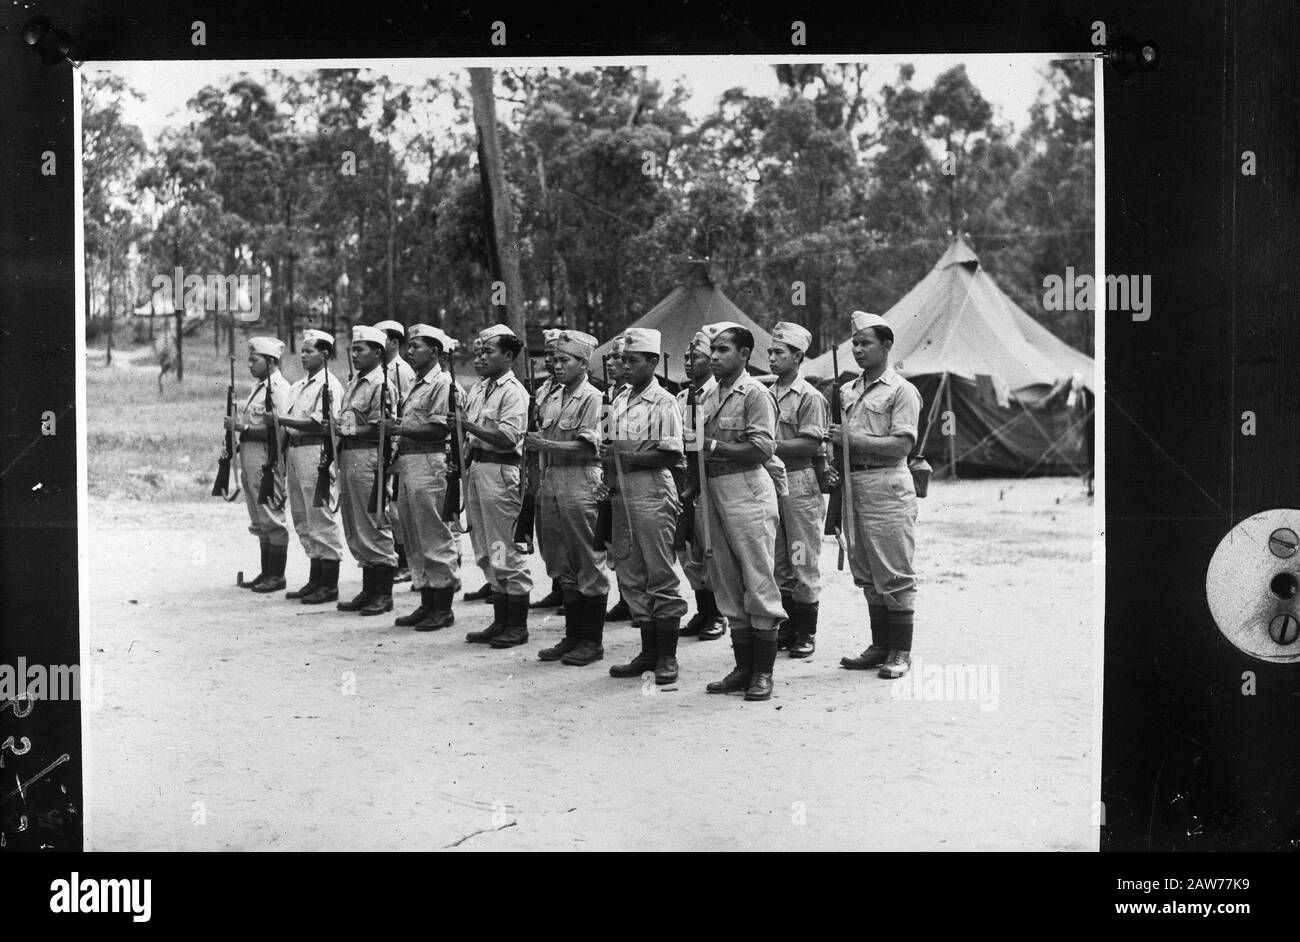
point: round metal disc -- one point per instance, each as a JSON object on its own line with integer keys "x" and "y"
{"x": 1253, "y": 586}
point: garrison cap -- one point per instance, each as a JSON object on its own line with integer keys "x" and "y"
{"x": 862, "y": 320}
{"x": 576, "y": 343}
{"x": 266, "y": 346}
{"x": 430, "y": 333}
{"x": 375, "y": 335}
{"x": 312, "y": 335}
{"x": 392, "y": 327}
{"x": 792, "y": 335}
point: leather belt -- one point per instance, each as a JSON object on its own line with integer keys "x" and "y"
{"x": 555, "y": 461}
{"x": 863, "y": 466}
{"x": 495, "y": 457}
{"x": 297, "y": 440}
{"x": 351, "y": 441}
{"x": 408, "y": 447}
{"x": 716, "y": 469}
{"x": 798, "y": 464}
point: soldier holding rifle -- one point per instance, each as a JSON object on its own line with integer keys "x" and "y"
{"x": 568, "y": 439}
{"x": 880, "y": 415}
{"x": 643, "y": 442}
{"x": 708, "y": 623}
{"x": 615, "y": 383}
{"x": 306, "y": 423}
{"x": 739, "y": 439}
{"x": 402, "y": 378}
{"x": 369, "y": 536}
{"x": 801, "y": 430}
{"x": 422, "y": 481}
{"x": 255, "y": 425}
{"x": 495, "y": 419}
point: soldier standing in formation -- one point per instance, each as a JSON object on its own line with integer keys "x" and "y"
{"x": 644, "y": 442}
{"x": 317, "y": 527}
{"x": 739, "y": 439}
{"x": 550, "y": 336}
{"x": 402, "y": 377}
{"x": 707, "y": 624}
{"x": 254, "y": 424}
{"x": 568, "y": 442}
{"x": 434, "y": 555}
{"x": 802, "y": 417}
{"x": 881, "y": 410}
{"x": 495, "y": 421}
{"x": 614, "y": 373}
{"x": 369, "y": 536}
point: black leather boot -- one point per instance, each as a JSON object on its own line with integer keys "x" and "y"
{"x": 481, "y": 595}
{"x": 313, "y": 580}
{"x": 553, "y": 599}
{"x": 785, "y": 633}
{"x": 417, "y": 616}
{"x": 716, "y": 626}
{"x": 646, "y": 660}
{"x": 367, "y": 592}
{"x": 573, "y": 613}
{"x": 516, "y": 623}
{"x": 701, "y": 616}
{"x": 276, "y": 558}
{"x": 328, "y": 589}
{"x": 498, "y": 621}
{"x": 591, "y": 632}
{"x": 760, "y": 682}
{"x": 666, "y": 663}
{"x": 738, "y": 679}
{"x": 440, "y": 614}
{"x": 620, "y": 611}
{"x": 805, "y": 633}
{"x": 263, "y": 546}
{"x": 381, "y": 599}
{"x": 878, "y": 653}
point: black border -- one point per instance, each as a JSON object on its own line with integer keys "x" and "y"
{"x": 1187, "y": 762}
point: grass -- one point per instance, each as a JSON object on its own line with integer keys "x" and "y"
{"x": 145, "y": 446}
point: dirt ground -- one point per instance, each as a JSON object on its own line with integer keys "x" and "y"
{"x": 235, "y": 721}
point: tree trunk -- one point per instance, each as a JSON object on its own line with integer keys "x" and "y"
{"x": 392, "y": 234}
{"x": 180, "y": 317}
{"x": 503, "y": 217}
{"x": 108, "y": 340}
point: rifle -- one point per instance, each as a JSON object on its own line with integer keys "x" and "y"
{"x": 397, "y": 381}
{"x": 229, "y": 445}
{"x": 603, "y": 534}
{"x": 379, "y": 490}
{"x": 266, "y": 489}
{"x": 451, "y": 502}
{"x": 835, "y": 518}
{"x": 525, "y": 522}
{"x": 705, "y": 536}
{"x": 685, "y": 532}
{"x": 323, "y": 476}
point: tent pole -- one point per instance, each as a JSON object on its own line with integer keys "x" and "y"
{"x": 952, "y": 439}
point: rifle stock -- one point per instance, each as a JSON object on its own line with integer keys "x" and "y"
{"x": 229, "y": 444}
{"x": 451, "y": 502}
{"x": 835, "y": 502}
{"x": 525, "y": 523}
{"x": 323, "y": 471}
{"x": 266, "y": 488}
{"x": 378, "y": 490}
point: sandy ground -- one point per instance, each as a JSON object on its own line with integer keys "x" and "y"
{"x": 236, "y": 721}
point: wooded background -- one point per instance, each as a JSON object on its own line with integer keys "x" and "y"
{"x": 613, "y": 186}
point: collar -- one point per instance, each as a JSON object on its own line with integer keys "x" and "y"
{"x": 375, "y": 375}
{"x": 889, "y": 378}
{"x": 798, "y": 384}
{"x": 651, "y": 391}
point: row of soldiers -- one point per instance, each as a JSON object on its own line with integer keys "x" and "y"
{"x": 752, "y": 556}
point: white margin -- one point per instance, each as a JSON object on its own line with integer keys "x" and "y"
{"x": 1099, "y": 434}
{"x": 83, "y": 476}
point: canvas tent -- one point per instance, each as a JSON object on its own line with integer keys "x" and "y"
{"x": 1021, "y": 398}
{"x": 692, "y": 304}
